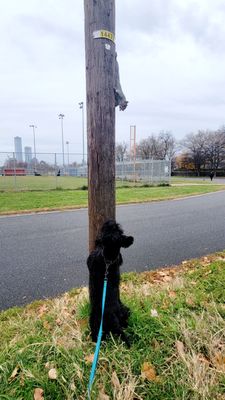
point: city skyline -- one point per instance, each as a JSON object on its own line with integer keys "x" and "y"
{"x": 171, "y": 59}
{"x": 18, "y": 148}
{"x": 19, "y": 151}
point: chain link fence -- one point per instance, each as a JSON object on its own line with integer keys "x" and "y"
{"x": 56, "y": 170}
{"x": 153, "y": 172}
{"x": 46, "y": 164}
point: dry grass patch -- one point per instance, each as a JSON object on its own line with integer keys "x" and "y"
{"x": 177, "y": 330}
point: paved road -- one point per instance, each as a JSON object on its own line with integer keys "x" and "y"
{"x": 42, "y": 255}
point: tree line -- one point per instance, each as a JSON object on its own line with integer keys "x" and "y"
{"x": 197, "y": 152}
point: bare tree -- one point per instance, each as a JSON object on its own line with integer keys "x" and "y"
{"x": 195, "y": 144}
{"x": 148, "y": 148}
{"x": 206, "y": 149}
{"x": 215, "y": 148}
{"x": 121, "y": 151}
{"x": 159, "y": 146}
{"x": 167, "y": 145}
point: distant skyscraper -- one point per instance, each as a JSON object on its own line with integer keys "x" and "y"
{"x": 18, "y": 148}
{"x": 28, "y": 154}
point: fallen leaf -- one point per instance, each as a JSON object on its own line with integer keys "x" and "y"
{"x": 52, "y": 374}
{"x": 219, "y": 362}
{"x": 124, "y": 287}
{"x": 154, "y": 313}
{"x": 22, "y": 379}
{"x": 60, "y": 342}
{"x": 190, "y": 302}
{"x": 79, "y": 374}
{"x": 203, "y": 359}
{"x": 65, "y": 313}
{"x": 72, "y": 386}
{"x": 208, "y": 272}
{"x": 148, "y": 372}
{"x": 103, "y": 396}
{"x": 180, "y": 349}
{"x": 221, "y": 258}
{"x": 47, "y": 325}
{"x": 49, "y": 365}
{"x": 155, "y": 344}
{"x": 14, "y": 373}
{"x": 167, "y": 278}
{"x": 42, "y": 310}
{"x": 89, "y": 358}
{"x": 172, "y": 294}
{"x": 161, "y": 273}
{"x": 38, "y": 394}
{"x": 82, "y": 322}
{"x": 115, "y": 380}
{"x": 166, "y": 304}
{"x": 164, "y": 276}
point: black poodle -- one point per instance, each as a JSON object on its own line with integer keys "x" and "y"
{"x": 107, "y": 257}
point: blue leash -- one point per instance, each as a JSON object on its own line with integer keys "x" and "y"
{"x": 97, "y": 348}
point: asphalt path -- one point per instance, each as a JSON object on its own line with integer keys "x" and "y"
{"x": 43, "y": 255}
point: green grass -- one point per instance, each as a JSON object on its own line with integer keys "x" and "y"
{"x": 176, "y": 180}
{"x": 40, "y": 182}
{"x": 10, "y": 183}
{"x": 141, "y": 194}
{"x": 176, "y": 328}
{"x": 42, "y": 200}
{"x": 26, "y": 183}
{"x": 62, "y": 199}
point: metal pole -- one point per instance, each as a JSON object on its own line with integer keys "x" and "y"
{"x": 34, "y": 126}
{"x": 61, "y": 116}
{"x": 133, "y": 148}
{"x": 81, "y": 104}
{"x": 14, "y": 164}
{"x": 55, "y": 172}
{"x": 68, "y": 157}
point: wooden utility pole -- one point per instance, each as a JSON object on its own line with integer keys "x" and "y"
{"x": 100, "y": 83}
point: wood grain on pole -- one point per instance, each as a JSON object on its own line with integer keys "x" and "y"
{"x": 100, "y": 78}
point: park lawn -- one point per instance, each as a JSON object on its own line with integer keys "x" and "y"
{"x": 135, "y": 195}
{"x": 176, "y": 329}
{"x": 25, "y": 201}
{"x": 193, "y": 180}
{"x": 26, "y": 183}
{"x": 41, "y": 200}
{"x": 41, "y": 182}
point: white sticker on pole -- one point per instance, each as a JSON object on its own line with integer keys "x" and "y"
{"x": 103, "y": 34}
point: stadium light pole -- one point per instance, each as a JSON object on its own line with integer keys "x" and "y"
{"x": 67, "y": 143}
{"x": 34, "y": 127}
{"x": 81, "y": 105}
{"x": 61, "y": 116}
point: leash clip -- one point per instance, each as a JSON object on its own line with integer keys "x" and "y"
{"x": 107, "y": 270}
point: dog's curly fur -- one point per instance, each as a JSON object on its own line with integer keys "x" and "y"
{"x": 107, "y": 251}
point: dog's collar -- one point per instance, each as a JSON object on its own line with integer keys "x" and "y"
{"x": 108, "y": 262}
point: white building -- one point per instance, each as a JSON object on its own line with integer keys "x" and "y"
{"x": 18, "y": 149}
{"x": 28, "y": 154}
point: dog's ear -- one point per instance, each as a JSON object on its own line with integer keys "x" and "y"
{"x": 127, "y": 241}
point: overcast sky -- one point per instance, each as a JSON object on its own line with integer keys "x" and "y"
{"x": 171, "y": 55}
